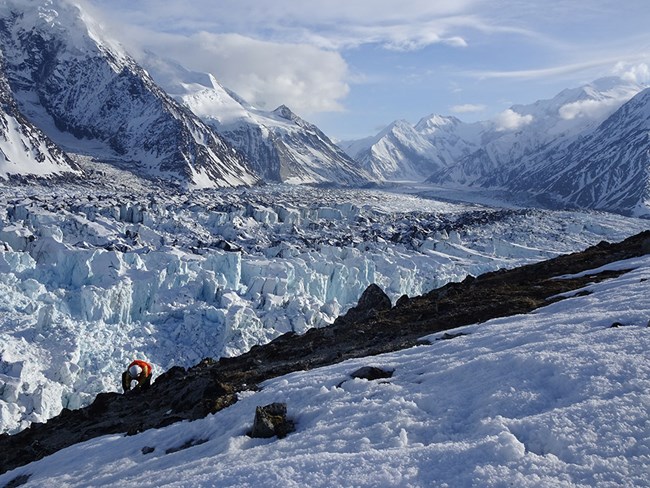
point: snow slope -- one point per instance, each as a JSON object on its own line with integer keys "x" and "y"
{"x": 556, "y": 398}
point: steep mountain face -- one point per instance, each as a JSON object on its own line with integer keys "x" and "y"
{"x": 69, "y": 80}
{"x": 399, "y": 152}
{"x": 523, "y": 137}
{"x": 281, "y": 146}
{"x": 307, "y": 155}
{"x": 406, "y": 152}
{"x": 608, "y": 169}
{"x": 24, "y": 149}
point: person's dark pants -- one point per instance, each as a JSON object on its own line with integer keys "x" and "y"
{"x": 127, "y": 379}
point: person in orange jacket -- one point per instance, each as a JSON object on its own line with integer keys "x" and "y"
{"x": 140, "y": 371}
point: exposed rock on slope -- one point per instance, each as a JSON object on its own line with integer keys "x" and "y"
{"x": 24, "y": 149}
{"x": 181, "y": 394}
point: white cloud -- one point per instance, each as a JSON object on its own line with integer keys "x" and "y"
{"x": 467, "y": 108}
{"x": 511, "y": 120}
{"x": 550, "y": 72}
{"x": 266, "y": 74}
{"x": 396, "y": 37}
{"x": 587, "y": 108}
{"x": 606, "y": 98}
{"x": 638, "y": 73}
{"x": 335, "y": 24}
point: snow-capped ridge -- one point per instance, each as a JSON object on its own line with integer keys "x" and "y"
{"x": 435, "y": 122}
{"x": 282, "y": 146}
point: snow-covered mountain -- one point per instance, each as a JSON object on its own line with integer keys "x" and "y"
{"x": 592, "y": 163}
{"x": 609, "y": 168}
{"x": 521, "y": 138}
{"x": 24, "y": 149}
{"x": 281, "y": 146}
{"x": 405, "y": 152}
{"x": 555, "y": 149}
{"x": 89, "y": 96}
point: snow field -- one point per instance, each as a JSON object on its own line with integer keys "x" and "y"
{"x": 91, "y": 281}
{"x": 554, "y": 398}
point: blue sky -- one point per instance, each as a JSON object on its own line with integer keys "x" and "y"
{"x": 354, "y": 66}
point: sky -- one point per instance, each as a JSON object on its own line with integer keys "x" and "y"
{"x": 353, "y": 66}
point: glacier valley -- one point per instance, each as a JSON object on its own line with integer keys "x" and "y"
{"x": 93, "y": 276}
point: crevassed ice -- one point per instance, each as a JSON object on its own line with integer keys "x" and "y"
{"x": 90, "y": 281}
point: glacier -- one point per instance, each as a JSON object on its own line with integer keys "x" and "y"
{"x": 94, "y": 276}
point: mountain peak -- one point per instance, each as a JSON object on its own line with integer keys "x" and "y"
{"x": 608, "y": 83}
{"x": 62, "y": 20}
{"x": 285, "y": 112}
{"x": 436, "y": 122}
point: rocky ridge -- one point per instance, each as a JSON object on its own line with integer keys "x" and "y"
{"x": 210, "y": 386}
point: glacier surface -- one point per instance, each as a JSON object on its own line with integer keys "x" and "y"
{"x": 92, "y": 278}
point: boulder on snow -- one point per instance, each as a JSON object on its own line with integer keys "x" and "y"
{"x": 372, "y": 373}
{"x": 271, "y": 420}
{"x": 450, "y": 335}
{"x": 372, "y": 301}
{"x": 18, "y": 481}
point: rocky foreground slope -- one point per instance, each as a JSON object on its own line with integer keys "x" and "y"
{"x": 373, "y": 327}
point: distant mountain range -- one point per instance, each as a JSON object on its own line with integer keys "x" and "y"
{"x": 67, "y": 89}
{"x": 587, "y": 147}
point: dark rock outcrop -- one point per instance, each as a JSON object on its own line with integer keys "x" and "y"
{"x": 270, "y": 421}
{"x": 210, "y": 386}
{"x": 373, "y": 300}
{"x": 371, "y": 373}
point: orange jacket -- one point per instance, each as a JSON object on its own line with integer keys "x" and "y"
{"x": 143, "y": 379}
{"x": 146, "y": 369}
